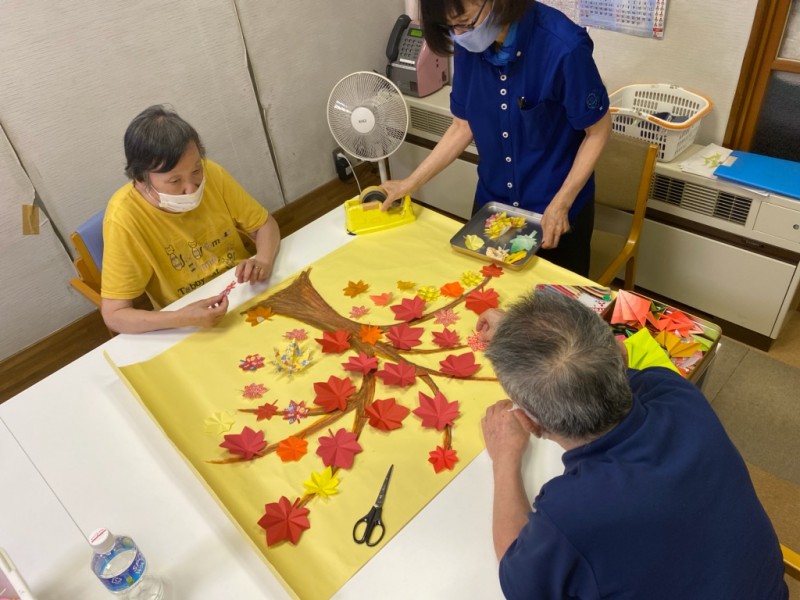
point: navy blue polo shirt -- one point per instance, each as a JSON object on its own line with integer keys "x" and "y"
{"x": 528, "y": 116}
{"x": 660, "y": 507}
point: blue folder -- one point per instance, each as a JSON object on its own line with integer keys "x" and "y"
{"x": 763, "y": 172}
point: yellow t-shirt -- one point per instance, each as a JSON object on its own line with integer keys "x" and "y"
{"x": 167, "y": 254}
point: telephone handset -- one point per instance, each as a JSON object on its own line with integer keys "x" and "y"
{"x": 413, "y": 68}
{"x": 393, "y": 47}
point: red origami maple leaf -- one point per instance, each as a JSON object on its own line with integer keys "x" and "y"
{"x": 265, "y": 411}
{"x": 248, "y": 443}
{"x": 339, "y": 449}
{"x": 462, "y": 365}
{"x": 382, "y": 299}
{"x": 480, "y": 300}
{"x": 283, "y": 520}
{"x": 436, "y": 412}
{"x": 401, "y": 374}
{"x": 361, "y": 363}
{"x": 334, "y": 342}
{"x": 492, "y": 270}
{"x": 386, "y": 414}
{"x": 442, "y": 458}
{"x": 452, "y": 290}
{"x": 404, "y": 337}
{"x": 333, "y": 394}
{"x": 409, "y": 309}
{"x": 446, "y": 338}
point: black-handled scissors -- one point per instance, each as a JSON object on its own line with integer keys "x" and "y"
{"x": 372, "y": 520}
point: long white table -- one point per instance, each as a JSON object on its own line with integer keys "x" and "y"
{"x": 78, "y": 446}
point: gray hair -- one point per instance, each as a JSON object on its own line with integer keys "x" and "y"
{"x": 559, "y": 361}
{"x": 155, "y": 141}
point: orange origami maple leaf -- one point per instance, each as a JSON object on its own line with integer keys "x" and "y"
{"x": 292, "y": 448}
{"x": 406, "y": 285}
{"x": 442, "y": 458}
{"x": 370, "y": 334}
{"x": 258, "y": 314}
{"x": 354, "y": 288}
{"x": 452, "y": 290}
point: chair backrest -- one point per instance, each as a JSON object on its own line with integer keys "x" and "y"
{"x": 88, "y": 240}
{"x": 623, "y": 172}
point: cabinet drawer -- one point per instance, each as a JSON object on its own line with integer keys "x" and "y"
{"x": 778, "y": 221}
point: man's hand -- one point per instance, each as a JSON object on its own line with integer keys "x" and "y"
{"x": 505, "y": 433}
{"x": 205, "y": 313}
{"x": 253, "y": 270}
{"x": 488, "y": 322}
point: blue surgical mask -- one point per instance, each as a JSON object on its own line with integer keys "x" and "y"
{"x": 480, "y": 38}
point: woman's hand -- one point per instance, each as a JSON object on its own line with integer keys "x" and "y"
{"x": 395, "y": 189}
{"x": 254, "y": 269}
{"x": 204, "y": 313}
{"x": 555, "y": 223}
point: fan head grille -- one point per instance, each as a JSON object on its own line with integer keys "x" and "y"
{"x": 367, "y": 115}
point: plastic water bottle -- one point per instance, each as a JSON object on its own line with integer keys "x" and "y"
{"x": 122, "y": 568}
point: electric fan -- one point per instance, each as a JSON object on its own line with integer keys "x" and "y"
{"x": 367, "y": 116}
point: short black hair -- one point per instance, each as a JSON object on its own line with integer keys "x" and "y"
{"x": 435, "y": 15}
{"x": 155, "y": 141}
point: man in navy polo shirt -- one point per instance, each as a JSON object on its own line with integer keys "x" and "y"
{"x": 526, "y": 89}
{"x": 655, "y": 501}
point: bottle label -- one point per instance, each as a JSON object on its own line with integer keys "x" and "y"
{"x": 128, "y": 577}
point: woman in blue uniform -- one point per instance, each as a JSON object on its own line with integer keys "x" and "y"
{"x": 527, "y": 90}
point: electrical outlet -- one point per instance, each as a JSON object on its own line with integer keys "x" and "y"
{"x": 342, "y": 165}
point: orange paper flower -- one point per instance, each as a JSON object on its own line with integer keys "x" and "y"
{"x": 370, "y": 334}
{"x": 258, "y": 314}
{"x": 452, "y": 290}
{"x": 292, "y": 448}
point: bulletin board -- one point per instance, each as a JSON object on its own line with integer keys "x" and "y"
{"x": 294, "y": 408}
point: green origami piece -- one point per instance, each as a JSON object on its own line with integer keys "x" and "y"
{"x": 644, "y": 352}
{"x": 523, "y": 242}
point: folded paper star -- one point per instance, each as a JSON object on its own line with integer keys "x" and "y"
{"x": 462, "y": 365}
{"x": 354, "y": 288}
{"x": 264, "y": 412}
{"x": 339, "y": 449}
{"x": 369, "y": 334}
{"x": 322, "y": 484}
{"x": 446, "y": 338}
{"x": 283, "y": 520}
{"x": 401, "y": 374}
{"x": 479, "y": 301}
{"x": 442, "y": 458}
{"x": 247, "y": 444}
{"x": 386, "y": 414}
{"x": 361, "y": 364}
{"x": 334, "y": 342}
{"x": 333, "y": 394}
{"x": 404, "y": 337}
{"x": 292, "y": 449}
{"x": 436, "y": 412}
{"x": 409, "y": 309}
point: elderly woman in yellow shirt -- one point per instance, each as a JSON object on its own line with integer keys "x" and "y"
{"x": 174, "y": 227}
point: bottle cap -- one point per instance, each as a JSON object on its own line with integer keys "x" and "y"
{"x": 102, "y": 541}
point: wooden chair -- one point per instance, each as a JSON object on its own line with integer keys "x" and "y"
{"x": 622, "y": 182}
{"x": 88, "y": 241}
{"x": 791, "y": 563}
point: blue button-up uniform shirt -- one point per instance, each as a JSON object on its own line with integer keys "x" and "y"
{"x": 528, "y": 116}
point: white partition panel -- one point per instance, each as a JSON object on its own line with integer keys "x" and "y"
{"x": 74, "y": 74}
{"x": 299, "y": 51}
{"x": 36, "y": 298}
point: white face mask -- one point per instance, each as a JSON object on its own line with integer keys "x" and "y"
{"x": 183, "y": 202}
{"x": 480, "y": 38}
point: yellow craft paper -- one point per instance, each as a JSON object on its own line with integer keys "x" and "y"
{"x": 644, "y": 352}
{"x": 200, "y": 377}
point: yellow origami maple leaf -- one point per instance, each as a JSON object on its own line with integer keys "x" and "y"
{"x": 406, "y": 285}
{"x": 322, "y": 484}
{"x": 258, "y": 314}
{"x": 354, "y": 288}
{"x": 370, "y": 334}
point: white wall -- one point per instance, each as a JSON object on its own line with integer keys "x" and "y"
{"x": 702, "y": 51}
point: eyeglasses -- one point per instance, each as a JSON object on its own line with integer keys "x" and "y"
{"x": 463, "y": 28}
